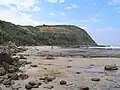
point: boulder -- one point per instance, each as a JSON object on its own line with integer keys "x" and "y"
{"x": 33, "y": 65}
{"x": 33, "y": 83}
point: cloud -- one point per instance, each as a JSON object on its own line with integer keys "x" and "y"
{"x": 93, "y": 19}
{"x": 63, "y": 14}
{"x": 72, "y": 6}
{"x": 113, "y": 2}
{"x": 21, "y": 5}
{"x": 52, "y": 14}
{"x": 56, "y": 1}
{"x": 16, "y": 11}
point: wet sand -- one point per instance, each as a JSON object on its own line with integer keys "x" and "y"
{"x": 71, "y": 66}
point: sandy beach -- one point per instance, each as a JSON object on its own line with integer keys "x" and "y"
{"x": 73, "y": 68}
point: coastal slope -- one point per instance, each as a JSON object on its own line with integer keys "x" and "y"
{"x": 44, "y": 35}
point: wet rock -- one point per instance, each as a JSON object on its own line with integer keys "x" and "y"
{"x": 48, "y": 86}
{"x": 28, "y": 87}
{"x": 35, "y": 86}
{"x": 78, "y": 72}
{"x": 95, "y": 79}
{"x": 33, "y": 65}
{"x": 1, "y": 79}
{"x": 12, "y": 69}
{"x": 22, "y": 57}
{"x": 62, "y": 82}
{"x": 2, "y": 71}
{"x": 47, "y": 79}
{"x": 111, "y": 67}
{"x": 6, "y": 82}
{"x": 84, "y": 88}
{"x": 69, "y": 66}
{"x": 50, "y": 57}
{"x": 33, "y": 83}
{"x": 16, "y": 86}
{"x": 13, "y": 76}
{"x": 23, "y": 76}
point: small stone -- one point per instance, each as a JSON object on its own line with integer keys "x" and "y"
{"x": 22, "y": 57}
{"x": 28, "y": 87}
{"x": 50, "y": 57}
{"x": 35, "y": 86}
{"x": 23, "y": 76}
{"x": 6, "y": 82}
{"x": 111, "y": 67}
{"x": 62, "y": 82}
{"x": 33, "y": 65}
{"x": 95, "y": 79}
{"x": 78, "y": 72}
{"x": 69, "y": 66}
{"x": 84, "y": 88}
{"x": 48, "y": 86}
{"x": 32, "y": 83}
{"x": 1, "y": 80}
{"x": 2, "y": 71}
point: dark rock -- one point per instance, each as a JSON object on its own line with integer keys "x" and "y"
{"x": 28, "y": 87}
{"x": 33, "y": 65}
{"x": 33, "y": 83}
{"x": 78, "y": 72}
{"x": 47, "y": 79}
{"x": 84, "y": 88}
{"x": 111, "y": 67}
{"x": 22, "y": 57}
{"x": 28, "y": 63}
{"x": 62, "y": 82}
{"x": 23, "y": 76}
{"x": 48, "y": 86}
{"x": 50, "y": 57}
{"x": 95, "y": 79}
{"x": 69, "y": 66}
{"x": 7, "y": 86}
{"x": 35, "y": 86}
{"x": 2, "y": 71}
{"x": 12, "y": 69}
{"x": 1, "y": 79}
{"x": 6, "y": 82}
{"x": 13, "y": 76}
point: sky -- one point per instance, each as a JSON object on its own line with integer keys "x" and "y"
{"x": 100, "y": 18}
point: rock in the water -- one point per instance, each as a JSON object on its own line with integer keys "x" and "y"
{"x": 48, "y": 86}
{"x": 28, "y": 87}
{"x": 33, "y": 65}
{"x": 16, "y": 86}
{"x": 62, "y": 82}
{"x": 69, "y": 66}
{"x": 78, "y": 72}
{"x": 23, "y": 76}
{"x": 95, "y": 79}
{"x": 2, "y": 71}
{"x": 13, "y": 76}
{"x": 111, "y": 67}
{"x": 47, "y": 79}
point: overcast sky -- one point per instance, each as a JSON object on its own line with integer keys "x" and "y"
{"x": 100, "y": 18}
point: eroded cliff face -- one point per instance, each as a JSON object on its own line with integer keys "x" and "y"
{"x": 44, "y": 35}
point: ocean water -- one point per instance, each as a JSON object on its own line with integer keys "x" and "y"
{"x": 108, "y": 47}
